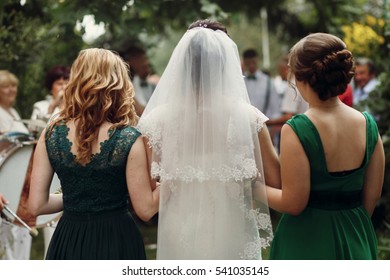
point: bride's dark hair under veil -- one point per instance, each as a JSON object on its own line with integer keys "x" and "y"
{"x": 203, "y": 134}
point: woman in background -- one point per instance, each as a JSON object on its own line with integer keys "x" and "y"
{"x": 10, "y": 120}
{"x": 56, "y": 79}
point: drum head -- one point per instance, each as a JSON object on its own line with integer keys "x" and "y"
{"x": 14, "y": 160}
{"x": 15, "y": 154}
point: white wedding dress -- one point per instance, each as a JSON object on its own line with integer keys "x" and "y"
{"x": 205, "y": 151}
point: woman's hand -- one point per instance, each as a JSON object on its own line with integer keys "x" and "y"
{"x": 56, "y": 102}
{"x": 3, "y": 201}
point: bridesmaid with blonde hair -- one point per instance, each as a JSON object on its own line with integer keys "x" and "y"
{"x": 101, "y": 162}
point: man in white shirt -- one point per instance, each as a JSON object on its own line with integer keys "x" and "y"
{"x": 365, "y": 79}
{"x": 292, "y": 104}
{"x": 261, "y": 90}
{"x": 280, "y": 80}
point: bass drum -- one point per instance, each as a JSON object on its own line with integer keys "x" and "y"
{"x": 15, "y": 154}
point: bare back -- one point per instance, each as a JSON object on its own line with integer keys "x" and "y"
{"x": 343, "y": 135}
{"x": 103, "y": 135}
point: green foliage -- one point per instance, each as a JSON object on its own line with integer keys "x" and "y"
{"x": 32, "y": 41}
{"x": 379, "y": 101}
{"x": 41, "y": 33}
{"x": 384, "y": 245}
{"x": 379, "y": 104}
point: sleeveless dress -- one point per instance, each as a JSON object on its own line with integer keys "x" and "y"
{"x": 96, "y": 222}
{"x": 334, "y": 224}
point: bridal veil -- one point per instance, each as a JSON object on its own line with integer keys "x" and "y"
{"x": 204, "y": 136}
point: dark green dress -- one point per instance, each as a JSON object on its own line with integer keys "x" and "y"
{"x": 96, "y": 223}
{"x": 334, "y": 224}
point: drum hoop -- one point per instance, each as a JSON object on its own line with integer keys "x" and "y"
{"x": 13, "y": 146}
{"x": 11, "y": 150}
{"x": 14, "y": 187}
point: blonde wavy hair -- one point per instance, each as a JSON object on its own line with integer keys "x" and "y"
{"x": 99, "y": 90}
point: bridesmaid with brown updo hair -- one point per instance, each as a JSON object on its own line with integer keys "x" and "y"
{"x": 332, "y": 162}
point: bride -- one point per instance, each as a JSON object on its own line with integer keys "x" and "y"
{"x": 204, "y": 140}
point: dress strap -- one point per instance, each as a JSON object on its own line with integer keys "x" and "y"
{"x": 371, "y": 134}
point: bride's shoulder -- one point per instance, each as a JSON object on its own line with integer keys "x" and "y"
{"x": 157, "y": 112}
{"x": 257, "y": 117}
{"x": 256, "y": 114}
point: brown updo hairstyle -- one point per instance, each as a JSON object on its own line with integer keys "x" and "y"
{"x": 323, "y": 61}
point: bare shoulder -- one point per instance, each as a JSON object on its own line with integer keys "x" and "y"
{"x": 289, "y": 139}
{"x": 287, "y": 130}
{"x": 138, "y": 148}
{"x": 42, "y": 137}
{"x": 353, "y": 113}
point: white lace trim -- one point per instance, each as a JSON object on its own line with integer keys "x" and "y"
{"x": 259, "y": 119}
{"x": 153, "y": 132}
{"x": 252, "y": 251}
{"x": 246, "y": 169}
{"x": 151, "y": 128}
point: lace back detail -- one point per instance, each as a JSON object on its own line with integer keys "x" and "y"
{"x": 101, "y": 183}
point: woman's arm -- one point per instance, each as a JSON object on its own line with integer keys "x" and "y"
{"x": 373, "y": 180}
{"x": 295, "y": 170}
{"x": 270, "y": 159}
{"x": 144, "y": 199}
{"x": 40, "y": 200}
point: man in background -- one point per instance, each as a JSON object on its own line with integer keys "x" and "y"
{"x": 140, "y": 70}
{"x": 365, "y": 79}
{"x": 261, "y": 89}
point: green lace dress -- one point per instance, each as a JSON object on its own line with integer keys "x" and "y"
{"x": 96, "y": 222}
{"x": 334, "y": 224}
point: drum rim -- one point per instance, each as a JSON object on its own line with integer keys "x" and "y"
{"x": 13, "y": 145}
{"x": 7, "y": 153}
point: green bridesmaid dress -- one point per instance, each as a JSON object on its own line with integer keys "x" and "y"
{"x": 334, "y": 225}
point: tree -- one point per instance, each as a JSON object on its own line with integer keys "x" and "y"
{"x": 379, "y": 104}
{"x": 33, "y": 40}
{"x": 40, "y": 33}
